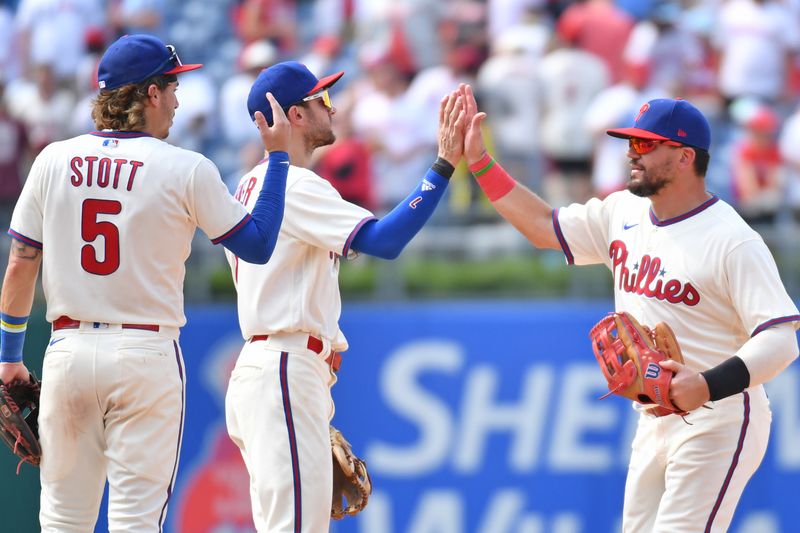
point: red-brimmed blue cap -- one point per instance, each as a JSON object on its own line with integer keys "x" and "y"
{"x": 135, "y": 58}
{"x": 665, "y": 119}
{"x": 289, "y": 82}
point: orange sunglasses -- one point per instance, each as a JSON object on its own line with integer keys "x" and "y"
{"x": 645, "y": 146}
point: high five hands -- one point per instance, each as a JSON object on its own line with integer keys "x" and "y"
{"x": 460, "y": 127}
{"x": 452, "y": 121}
{"x": 474, "y": 146}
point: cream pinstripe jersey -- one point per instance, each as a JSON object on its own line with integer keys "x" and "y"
{"x": 114, "y": 214}
{"x": 706, "y": 273}
{"x": 298, "y": 290}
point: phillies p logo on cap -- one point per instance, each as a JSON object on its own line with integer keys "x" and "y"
{"x": 665, "y": 119}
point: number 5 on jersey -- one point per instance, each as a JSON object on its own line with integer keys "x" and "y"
{"x": 91, "y": 228}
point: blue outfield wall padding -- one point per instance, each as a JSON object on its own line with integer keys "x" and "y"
{"x": 477, "y": 416}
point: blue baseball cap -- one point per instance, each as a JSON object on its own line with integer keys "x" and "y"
{"x": 289, "y": 82}
{"x": 135, "y": 58}
{"x": 665, "y": 119}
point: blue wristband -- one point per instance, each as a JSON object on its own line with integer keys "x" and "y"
{"x": 12, "y": 337}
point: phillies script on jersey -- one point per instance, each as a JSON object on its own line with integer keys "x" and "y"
{"x": 643, "y": 280}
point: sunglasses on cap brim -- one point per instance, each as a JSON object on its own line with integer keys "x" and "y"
{"x": 173, "y": 60}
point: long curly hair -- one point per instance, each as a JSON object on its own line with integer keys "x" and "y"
{"x": 122, "y": 109}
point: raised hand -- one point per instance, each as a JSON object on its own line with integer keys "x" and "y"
{"x": 452, "y": 122}
{"x": 474, "y": 146}
{"x": 276, "y": 138}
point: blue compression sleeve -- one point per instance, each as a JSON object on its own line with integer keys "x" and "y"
{"x": 255, "y": 241}
{"x": 386, "y": 238}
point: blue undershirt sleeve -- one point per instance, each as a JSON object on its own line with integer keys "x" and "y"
{"x": 386, "y": 238}
{"x": 255, "y": 241}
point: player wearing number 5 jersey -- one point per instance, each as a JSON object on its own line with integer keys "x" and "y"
{"x": 110, "y": 216}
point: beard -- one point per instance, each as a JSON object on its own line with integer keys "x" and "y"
{"x": 321, "y": 136}
{"x": 645, "y": 189}
{"x": 649, "y": 184}
{"x": 326, "y": 138}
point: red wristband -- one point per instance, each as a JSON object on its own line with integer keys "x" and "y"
{"x": 494, "y": 181}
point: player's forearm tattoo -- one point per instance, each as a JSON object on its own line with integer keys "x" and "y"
{"x": 23, "y": 251}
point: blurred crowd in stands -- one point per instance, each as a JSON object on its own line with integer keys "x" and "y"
{"x": 552, "y": 75}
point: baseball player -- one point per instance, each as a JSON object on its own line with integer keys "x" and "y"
{"x": 110, "y": 215}
{"x": 278, "y": 405}
{"x": 679, "y": 255}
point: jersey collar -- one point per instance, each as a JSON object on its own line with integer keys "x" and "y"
{"x": 674, "y": 220}
{"x": 120, "y": 134}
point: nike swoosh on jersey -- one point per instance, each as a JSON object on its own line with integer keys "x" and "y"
{"x": 625, "y": 226}
{"x": 52, "y": 342}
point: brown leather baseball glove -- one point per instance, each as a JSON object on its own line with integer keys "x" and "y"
{"x": 629, "y": 353}
{"x": 19, "y": 419}
{"x": 352, "y": 485}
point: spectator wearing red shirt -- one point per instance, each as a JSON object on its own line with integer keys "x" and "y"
{"x": 756, "y": 167}
{"x": 599, "y": 27}
{"x": 273, "y": 20}
{"x": 347, "y": 164}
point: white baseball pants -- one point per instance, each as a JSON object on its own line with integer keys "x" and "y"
{"x": 689, "y": 478}
{"x": 278, "y": 408}
{"x": 112, "y": 407}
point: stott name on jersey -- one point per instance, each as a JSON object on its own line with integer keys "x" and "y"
{"x": 103, "y": 172}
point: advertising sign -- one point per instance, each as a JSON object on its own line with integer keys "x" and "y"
{"x": 478, "y": 417}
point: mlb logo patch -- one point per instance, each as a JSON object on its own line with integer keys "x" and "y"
{"x": 111, "y": 143}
